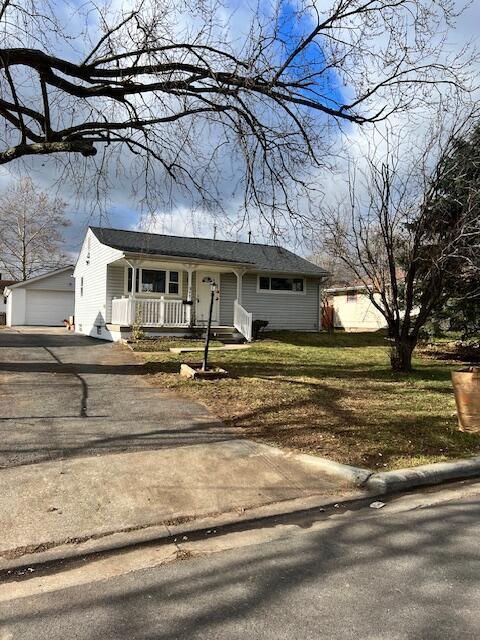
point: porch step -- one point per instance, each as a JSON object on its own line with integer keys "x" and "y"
{"x": 227, "y": 335}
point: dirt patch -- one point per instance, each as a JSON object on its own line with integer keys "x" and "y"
{"x": 458, "y": 351}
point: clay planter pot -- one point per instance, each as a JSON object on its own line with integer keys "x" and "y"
{"x": 195, "y": 372}
{"x": 466, "y": 386}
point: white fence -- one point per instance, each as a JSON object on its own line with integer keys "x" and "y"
{"x": 154, "y": 312}
{"x": 242, "y": 321}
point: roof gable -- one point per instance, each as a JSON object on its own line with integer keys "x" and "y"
{"x": 17, "y": 285}
{"x": 259, "y": 257}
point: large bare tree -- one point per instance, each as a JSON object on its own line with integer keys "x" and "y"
{"x": 184, "y": 85}
{"x": 409, "y": 228}
{"x": 30, "y": 231}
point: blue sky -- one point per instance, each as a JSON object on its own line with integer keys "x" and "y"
{"x": 293, "y": 29}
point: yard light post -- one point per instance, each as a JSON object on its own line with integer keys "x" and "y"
{"x": 207, "y": 337}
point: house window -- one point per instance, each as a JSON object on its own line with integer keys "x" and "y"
{"x": 264, "y": 283}
{"x": 351, "y": 296}
{"x": 173, "y": 282}
{"x": 155, "y": 281}
{"x": 293, "y": 285}
{"x": 81, "y": 286}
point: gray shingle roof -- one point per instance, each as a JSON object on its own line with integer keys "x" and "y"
{"x": 260, "y": 257}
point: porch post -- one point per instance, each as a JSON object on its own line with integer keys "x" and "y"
{"x": 162, "y": 311}
{"x": 189, "y": 269}
{"x": 239, "y": 273}
{"x": 131, "y": 310}
{"x": 134, "y": 278}
{"x": 132, "y": 304}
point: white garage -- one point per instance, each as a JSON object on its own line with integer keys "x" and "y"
{"x": 44, "y": 301}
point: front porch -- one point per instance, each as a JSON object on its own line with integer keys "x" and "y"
{"x": 175, "y": 297}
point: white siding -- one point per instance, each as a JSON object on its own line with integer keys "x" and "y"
{"x": 91, "y": 307}
{"x": 56, "y": 282}
{"x": 296, "y": 312}
{"x": 359, "y": 314}
{"x": 115, "y": 287}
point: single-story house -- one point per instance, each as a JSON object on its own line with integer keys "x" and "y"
{"x": 353, "y": 310}
{"x": 163, "y": 283}
{"x": 45, "y": 300}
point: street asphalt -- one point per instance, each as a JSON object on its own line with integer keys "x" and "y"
{"x": 369, "y": 575}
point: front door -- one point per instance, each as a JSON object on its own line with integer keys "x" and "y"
{"x": 203, "y": 298}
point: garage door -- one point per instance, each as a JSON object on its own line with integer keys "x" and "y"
{"x": 48, "y": 308}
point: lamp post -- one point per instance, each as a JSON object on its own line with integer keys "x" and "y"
{"x": 213, "y": 286}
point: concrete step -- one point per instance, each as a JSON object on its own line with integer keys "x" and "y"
{"x": 227, "y": 336}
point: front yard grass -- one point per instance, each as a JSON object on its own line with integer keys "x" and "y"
{"x": 330, "y": 395}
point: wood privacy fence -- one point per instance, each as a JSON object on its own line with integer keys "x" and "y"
{"x": 327, "y": 317}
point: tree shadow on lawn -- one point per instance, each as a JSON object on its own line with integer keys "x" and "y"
{"x": 321, "y": 424}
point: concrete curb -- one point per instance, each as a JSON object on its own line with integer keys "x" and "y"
{"x": 428, "y": 474}
{"x": 167, "y": 534}
{"x": 352, "y": 475}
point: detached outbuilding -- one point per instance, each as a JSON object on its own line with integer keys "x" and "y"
{"x": 353, "y": 310}
{"x": 44, "y": 300}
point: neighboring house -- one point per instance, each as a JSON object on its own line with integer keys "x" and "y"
{"x": 45, "y": 300}
{"x": 3, "y": 300}
{"x": 353, "y": 310}
{"x": 126, "y": 278}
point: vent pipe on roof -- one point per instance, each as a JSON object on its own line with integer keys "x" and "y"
{"x": 214, "y": 231}
{"x": 249, "y": 237}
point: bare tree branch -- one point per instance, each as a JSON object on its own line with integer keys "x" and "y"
{"x": 269, "y": 97}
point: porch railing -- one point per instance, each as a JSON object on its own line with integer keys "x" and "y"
{"x": 154, "y": 312}
{"x": 122, "y": 311}
{"x": 242, "y": 321}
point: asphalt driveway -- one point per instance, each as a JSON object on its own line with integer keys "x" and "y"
{"x": 64, "y": 395}
{"x": 90, "y": 451}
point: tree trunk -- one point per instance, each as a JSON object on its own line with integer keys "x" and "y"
{"x": 401, "y": 354}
